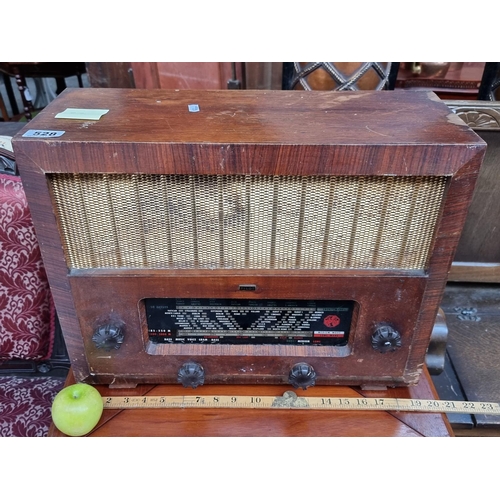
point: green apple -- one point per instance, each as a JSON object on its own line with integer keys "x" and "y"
{"x": 76, "y": 409}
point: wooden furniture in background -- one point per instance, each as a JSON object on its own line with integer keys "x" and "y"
{"x": 3, "y": 110}
{"x": 242, "y": 75}
{"x": 263, "y": 75}
{"x": 478, "y": 253}
{"x": 339, "y": 76}
{"x": 461, "y": 80}
{"x": 489, "y": 90}
{"x": 110, "y": 75}
{"x": 185, "y": 75}
{"x": 282, "y": 423}
{"x": 22, "y": 70}
{"x": 472, "y": 372}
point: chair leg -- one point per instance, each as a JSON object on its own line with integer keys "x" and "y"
{"x": 25, "y": 95}
{"x": 490, "y": 81}
{"x": 10, "y": 94}
{"x": 3, "y": 110}
{"x": 60, "y": 84}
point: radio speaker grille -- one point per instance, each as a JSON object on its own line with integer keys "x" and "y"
{"x": 246, "y": 221}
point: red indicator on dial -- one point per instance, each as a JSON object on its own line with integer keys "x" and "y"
{"x": 331, "y": 321}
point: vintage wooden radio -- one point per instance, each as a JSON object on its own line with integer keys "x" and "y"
{"x": 247, "y": 236}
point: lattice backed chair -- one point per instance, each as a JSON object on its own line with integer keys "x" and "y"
{"x": 339, "y": 75}
{"x": 30, "y": 339}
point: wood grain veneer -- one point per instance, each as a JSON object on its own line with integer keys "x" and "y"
{"x": 396, "y": 133}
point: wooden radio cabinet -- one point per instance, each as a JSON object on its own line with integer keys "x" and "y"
{"x": 248, "y": 236}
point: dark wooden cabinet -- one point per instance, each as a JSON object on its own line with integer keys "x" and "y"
{"x": 447, "y": 80}
{"x": 254, "y": 196}
{"x": 185, "y": 75}
{"x": 478, "y": 254}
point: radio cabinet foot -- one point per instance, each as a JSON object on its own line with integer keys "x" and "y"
{"x": 122, "y": 385}
{"x": 371, "y": 387}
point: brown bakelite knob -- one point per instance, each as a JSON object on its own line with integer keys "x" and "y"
{"x": 302, "y": 375}
{"x": 191, "y": 375}
{"x": 386, "y": 339}
{"x": 108, "y": 337}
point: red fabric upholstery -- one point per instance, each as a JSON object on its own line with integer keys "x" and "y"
{"x": 25, "y": 405}
{"x": 26, "y": 308}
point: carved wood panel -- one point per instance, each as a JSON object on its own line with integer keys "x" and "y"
{"x": 478, "y": 253}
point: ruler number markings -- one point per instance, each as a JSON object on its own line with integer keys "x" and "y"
{"x": 308, "y": 403}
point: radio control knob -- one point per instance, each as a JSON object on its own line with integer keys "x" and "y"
{"x": 191, "y": 375}
{"x": 386, "y": 339}
{"x": 302, "y": 375}
{"x": 108, "y": 337}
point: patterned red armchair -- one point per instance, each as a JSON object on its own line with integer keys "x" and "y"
{"x": 27, "y": 315}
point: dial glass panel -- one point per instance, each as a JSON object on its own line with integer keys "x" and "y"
{"x": 231, "y": 321}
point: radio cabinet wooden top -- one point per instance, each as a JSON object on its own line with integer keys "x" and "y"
{"x": 225, "y": 132}
{"x": 277, "y": 237}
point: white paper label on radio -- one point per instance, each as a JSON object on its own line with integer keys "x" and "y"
{"x": 82, "y": 114}
{"x": 43, "y": 133}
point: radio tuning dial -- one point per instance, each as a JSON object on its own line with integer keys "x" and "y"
{"x": 302, "y": 375}
{"x": 191, "y": 375}
{"x": 108, "y": 337}
{"x": 386, "y": 339}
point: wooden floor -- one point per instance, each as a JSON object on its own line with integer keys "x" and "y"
{"x": 472, "y": 369}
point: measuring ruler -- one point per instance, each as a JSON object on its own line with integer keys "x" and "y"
{"x": 290, "y": 401}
